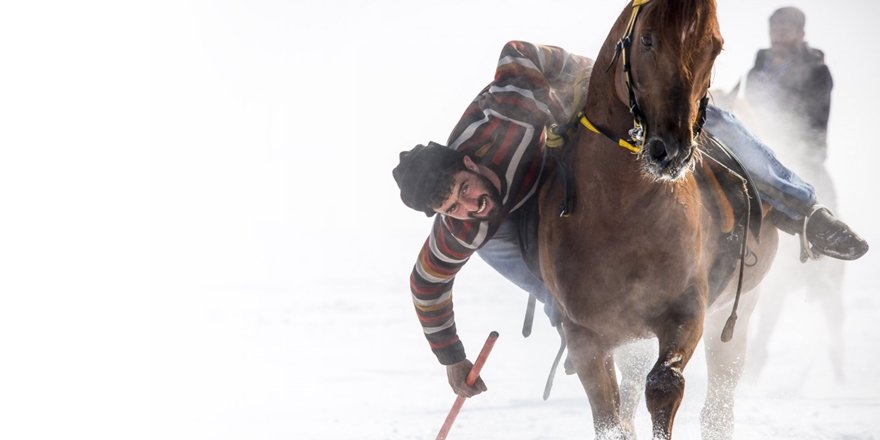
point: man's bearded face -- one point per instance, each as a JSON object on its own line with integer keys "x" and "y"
{"x": 473, "y": 197}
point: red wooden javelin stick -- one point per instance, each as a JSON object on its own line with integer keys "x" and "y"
{"x": 471, "y": 378}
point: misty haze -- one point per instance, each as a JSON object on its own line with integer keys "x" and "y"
{"x": 203, "y": 239}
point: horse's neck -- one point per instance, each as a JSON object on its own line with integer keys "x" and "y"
{"x": 611, "y": 116}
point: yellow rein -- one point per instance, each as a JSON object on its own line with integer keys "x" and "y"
{"x": 620, "y": 142}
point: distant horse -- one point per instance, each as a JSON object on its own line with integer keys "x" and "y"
{"x": 643, "y": 255}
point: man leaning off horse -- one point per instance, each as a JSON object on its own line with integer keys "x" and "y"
{"x": 491, "y": 167}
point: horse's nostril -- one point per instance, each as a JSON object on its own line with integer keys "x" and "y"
{"x": 657, "y": 150}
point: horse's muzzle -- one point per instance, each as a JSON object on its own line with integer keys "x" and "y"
{"x": 667, "y": 159}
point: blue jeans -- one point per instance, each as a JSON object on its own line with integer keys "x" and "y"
{"x": 503, "y": 252}
{"x": 778, "y": 185}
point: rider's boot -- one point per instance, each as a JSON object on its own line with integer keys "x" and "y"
{"x": 825, "y": 234}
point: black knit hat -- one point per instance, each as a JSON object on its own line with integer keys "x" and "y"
{"x": 418, "y": 173}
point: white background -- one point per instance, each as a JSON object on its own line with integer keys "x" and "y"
{"x": 200, "y": 237}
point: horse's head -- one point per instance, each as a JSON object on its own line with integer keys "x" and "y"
{"x": 666, "y": 55}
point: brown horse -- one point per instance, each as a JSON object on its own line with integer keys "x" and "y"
{"x": 638, "y": 258}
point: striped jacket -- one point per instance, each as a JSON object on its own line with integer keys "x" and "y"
{"x": 502, "y": 129}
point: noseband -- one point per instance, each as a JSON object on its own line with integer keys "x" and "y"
{"x": 637, "y": 134}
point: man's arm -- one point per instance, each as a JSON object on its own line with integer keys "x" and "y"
{"x": 756, "y": 87}
{"x": 553, "y": 81}
{"x": 817, "y": 102}
{"x": 433, "y": 275}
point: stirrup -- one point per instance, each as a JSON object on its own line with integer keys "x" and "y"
{"x": 549, "y": 384}
{"x": 530, "y": 316}
{"x": 807, "y": 252}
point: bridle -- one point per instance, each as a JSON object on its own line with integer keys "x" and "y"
{"x": 637, "y": 134}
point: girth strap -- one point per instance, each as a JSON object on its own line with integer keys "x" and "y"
{"x": 555, "y": 138}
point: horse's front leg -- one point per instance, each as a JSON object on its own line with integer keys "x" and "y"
{"x": 678, "y": 332}
{"x": 725, "y": 362}
{"x": 593, "y": 360}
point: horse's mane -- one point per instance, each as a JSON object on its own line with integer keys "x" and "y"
{"x": 693, "y": 22}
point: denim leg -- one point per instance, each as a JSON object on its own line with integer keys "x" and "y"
{"x": 778, "y": 185}
{"x": 503, "y": 254}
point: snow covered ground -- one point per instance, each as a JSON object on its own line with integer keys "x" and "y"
{"x": 201, "y": 238}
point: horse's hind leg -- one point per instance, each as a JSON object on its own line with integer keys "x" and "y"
{"x": 678, "y": 334}
{"x": 725, "y": 362}
{"x": 594, "y": 363}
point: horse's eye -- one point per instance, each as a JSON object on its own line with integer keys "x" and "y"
{"x": 647, "y": 40}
